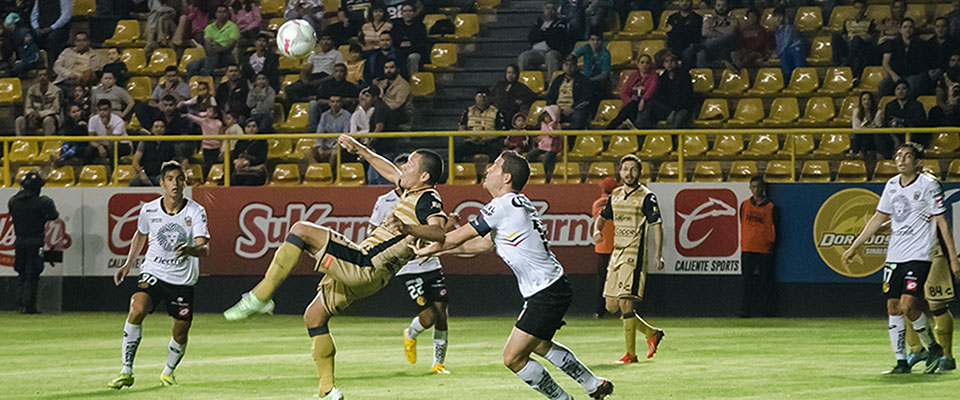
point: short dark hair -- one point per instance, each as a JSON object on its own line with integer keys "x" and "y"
{"x": 339, "y": 65}
{"x": 902, "y": 82}
{"x": 387, "y": 32}
{"x": 432, "y": 164}
{"x": 172, "y": 165}
{"x": 401, "y": 159}
{"x": 104, "y": 102}
{"x": 860, "y": 1}
{"x": 170, "y": 68}
{"x": 781, "y": 11}
{"x": 758, "y": 178}
{"x": 754, "y": 11}
{"x": 910, "y": 20}
{"x": 233, "y": 65}
{"x": 389, "y": 60}
{"x": 630, "y": 157}
{"x": 84, "y": 33}
{"x": 199, "y": 83}
{"x": 518, "y": 168}
{"x": 914, "y": 147}
{"x": 483, "y": 90}
{"x": 169, "y": 98}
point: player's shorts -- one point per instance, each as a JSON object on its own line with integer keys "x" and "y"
{"x": 177, "y": 298}
{"x": 543, "y": 312}
{"x": 425, "y": 288}
{"x": 349, "y": 274}
{"x": 905, "y": 278}
{"x": 626, "y": 276}
{"x": 939, "y": 286}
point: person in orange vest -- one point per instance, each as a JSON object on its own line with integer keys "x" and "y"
{"x": 758, "y": 235}
{"x": 603, "y": 247}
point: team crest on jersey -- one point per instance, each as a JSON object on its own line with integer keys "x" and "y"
{"x": 171, "y": 236}
{"x": 143, "y": 285}
{"x": 421, "y": 301}
{"x": 886, "y": 287}
{"x": 916, "y": 196}
{"x": 188, "y": 221}
{"x": 901, "y": 208}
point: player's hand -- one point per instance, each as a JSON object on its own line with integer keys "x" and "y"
{"x": 598, "y": 237}
{"x": 426, "y": 251}
{"x": 660, "y": 263}
{"x": 121, "y": 274}
{"x": 350, "y": 144}
{"x": 847, "y": 256}
{"x": 392, "y": 223}
{"x": 955, "y": 266}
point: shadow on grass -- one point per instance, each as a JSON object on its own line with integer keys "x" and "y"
{"x": 104, "y": 393}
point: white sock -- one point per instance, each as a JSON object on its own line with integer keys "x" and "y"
{"x": 131, "y": 341}
{"x": 926, "y": 335}
{"x": 539, "y": 379}
{"x": 439, "y": 346}
{"x": 564, "y": 359}
{"x": 174, "y": 355}
{"x": 415, "y": 328}
{"x": 897, "y": 329}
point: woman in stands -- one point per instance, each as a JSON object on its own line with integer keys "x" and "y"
{"x": 636, "y": 92}
{"x": 378, "y": 23}
{"x": 868, "y": 115}
{"x": 511, "y": 96}
{"x": 249, "y": 159}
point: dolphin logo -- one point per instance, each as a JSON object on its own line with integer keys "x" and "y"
{"x": 695, "y": 215}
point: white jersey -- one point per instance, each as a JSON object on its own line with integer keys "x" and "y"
{"x": 912, "y": 208}
{"x": 521, "y": 241}
{"x": 167, "y": 232}
{"x": 381, "y": 210}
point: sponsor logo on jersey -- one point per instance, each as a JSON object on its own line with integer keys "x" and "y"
{"x": 912, "y": 285}
{"x": 122, "y": 212}
{"x": 706, "y": 223}
{"x": 838, "y": 222}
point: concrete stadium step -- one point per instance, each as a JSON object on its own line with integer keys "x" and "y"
{"x": 488, "y": 61}
{"x": 499, "y": 47}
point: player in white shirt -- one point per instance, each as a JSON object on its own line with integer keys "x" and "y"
{"x": 425, "y": 284}
{"x": 512, "y": 225}
{"x": 914, "y": 202}
{"x": 176, "y": 228}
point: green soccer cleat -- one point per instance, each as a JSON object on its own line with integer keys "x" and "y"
{"x": 120, "y": 381}
{"x": 933, "y": 358}
{"x": 900, "y": 368}
{"x": 333, "y": 394}
{"x": 167, "y": 380}
{"x": 915, "y": 358}
{"x": 248, "y": 305}
{"x": 948, "y": 364}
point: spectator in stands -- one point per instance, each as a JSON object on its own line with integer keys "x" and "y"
{"x": 199, "y": 103}
{"x": 482, "y": 116}
{"x": 891, "y": 26}
{"x": 196, "y": 18}
{"x": 511, "y": 96}
{"x": 81, "y": 98}
{"x": 317, "y": 70}
{"x": 853, "y": 46}
{"x": 262, "y": 59}
{"x": 396, "y": 95}
{"x": 377, "y": 23}
{"x": 28, "y": 54}
{"x": 571, "y": 91}
{"x": 549, "y": 42}
{"x": 41, "y": 107}
{"x": 106, "y": 123}
{"x": 906, "y": 58}
{"x": 210, "y": 127}
{"x": 754, "y": 42}
{"x": 790, "y": 47}
{"x": 246, "y": 14}
{"x": 519, "y": 143}
{"x": 361, "y": 119}
{"x": 150, "y": 155}
{"x": 50, "y": 20}
{"x": 410, "y": 39}
{"x": 719, "y": 35}
{"x": 868, "y": 115}
{"x": 175, "y": 124}
{"x": 77, "y": 65}
{"x": 260, "y": 101}
{"x": 686, "y": 33}
{"x": 8, "y": 44}
{"x": 113, "y": 8}
{"x": 80, "y": 150}
{"x": 636, "y": 92}
{"x": 220, "y": 40}
{"x": 310, "y": 10}
{"x": 672, "y": 99}
{"x": 596, "y": 67}
{"x": 337, "y": 86}
{"x": 232, "y": 95}
{"x": 947, "y": 110}
{"x": 953, "y": 17}
{"x": 905, "y": 112}
{"x": 249, "y": 159}
{"x": 172, "y": 85}
{"x": 570, "y": 13}
{"x": 350, "y": 18}
{"x": 161, "y": 24}
{"x": 600, "y": 15}
{"x": 942, "y": 46}
{"x": 334, "y": 120}
{"x": 376, "y": 59}
{"x": 116, "y": 66}
{"x": 120, "y": 100}
{"x": 548, "y": 144}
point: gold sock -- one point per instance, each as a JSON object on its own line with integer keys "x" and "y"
{"x": 943, "y": 329}
{"x": 284, "y": 259}
{"x": 630, "y": 335}
{"x": 911, "y": 338}
{"x": 647, "y": 329}
{"x": 323, "y": 351}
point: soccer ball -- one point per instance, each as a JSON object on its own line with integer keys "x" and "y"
{"x": 296, "y": 38}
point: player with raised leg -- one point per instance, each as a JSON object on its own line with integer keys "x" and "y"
{"x": 353, "y": 271}
{"x": 914, "y": 202}
{"x": 176, "y": 228}
{"x": 511, "y": 224}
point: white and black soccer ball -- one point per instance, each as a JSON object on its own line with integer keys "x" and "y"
{"x": 296, "y": 38}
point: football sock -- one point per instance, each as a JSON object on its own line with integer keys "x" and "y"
{"x": 131, "y": 341}
{"x": 926, "y": 336}
{"x": 323, "y": 350}
{"x": 896, "y": 329}
{"x": 912, "y": 340}
{"x": 439, "y": 346}
{"x": 284, "y": 259}
{"x": 415, "y": 328}
{"x": 563, "y": 358}
{"x": 943, "y": 328}
{"x": 539, "y": 379}
{"x": 174, "y": 355}
{"x": 630, "y": 333}
{"x": 647, "y": 329}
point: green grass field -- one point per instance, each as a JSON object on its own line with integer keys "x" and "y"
{"x": 73, "y": 356}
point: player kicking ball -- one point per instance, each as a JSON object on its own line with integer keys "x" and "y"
{"x": 354, "y": 271}
{"x": 176, "y": 228}
{"x": 511, "y": 224}
{"x": 914, "y": 202}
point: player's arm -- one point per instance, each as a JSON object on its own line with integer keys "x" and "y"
{"x": 464, "y": 235}
{"x": 657, "y": 230}
{"x": 951, "y": 248}
{"x": 875, "y": 222}
{"x": 200, "y": 248}
{"x": 435, "y": 230}
{"x": 378, "y": 162}
{"x": 139, "y": 239}
{"x": 651, "y": 210}
{"x": 605, "y": 215}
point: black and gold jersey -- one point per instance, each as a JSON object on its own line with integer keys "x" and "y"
{"x": 631, "y": 210}
{"x": 390, "y": 249}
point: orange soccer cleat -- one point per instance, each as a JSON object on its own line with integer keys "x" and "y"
{"x": 627, "y": 359}
{"x": 653, "y": 342}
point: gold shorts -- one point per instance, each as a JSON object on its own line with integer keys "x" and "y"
{"x": 626, "y": 276}
{"x": 348, "y": 274}
{"x": 939, "y": 286}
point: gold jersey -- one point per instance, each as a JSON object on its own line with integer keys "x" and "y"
{"x": 631, "y": 210}
{"x": 390, "y": 249}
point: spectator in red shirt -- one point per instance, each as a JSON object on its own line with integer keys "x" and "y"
{"x": 753, "y": 42}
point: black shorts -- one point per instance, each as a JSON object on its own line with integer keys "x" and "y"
{"x": 905, "y": 278}
{"x": 543, "y": 312}
{"x": 425, "y": 288}
{"x": 178, "y": 299}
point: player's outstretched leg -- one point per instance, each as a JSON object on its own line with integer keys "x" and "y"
{"x": 916, "y": 352}
{"x": 516, "y": 356}
{"x": 564, "y": 359}
{"x": 653, "y": 334}
{"x": 175, "y": 351}
{"x": 132, "y": 330}
{"x": 943, "y": 328}
{"x": 322, "y": 347}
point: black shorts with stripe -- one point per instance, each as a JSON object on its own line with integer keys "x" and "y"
{"x": 543, "y": 312}
{"x": 425, "y": 287}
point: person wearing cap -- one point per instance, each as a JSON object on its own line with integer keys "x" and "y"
{"x": 604, "y": 246}
{"x": 30, "y": 213}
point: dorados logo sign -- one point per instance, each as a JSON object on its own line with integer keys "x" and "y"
{"x": 706, "y": 223}
{"x": 123, "y": 210}
{"x": 840, "y": 219}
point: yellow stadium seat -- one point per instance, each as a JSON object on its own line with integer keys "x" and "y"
{"x": 273, "y": 24}
{"x": 878, "y": 12}
{"x": 464, "y": 174}
{"x": 533, "y": 80}
{"x": 140, "y": 87}
{"x": 769, "y": 81}
{"x": 639, "y": 23}
{"x": 296, "y": 119}
{"x": 195, "y": 81}
{"x": 783, "y": 111}
{"x": 422, "y": 84}
{"x": 815, "y": 171}
{"x": 766, "y": 19}
{"x": 287, "y": 80}
{"x": 883, "y": 102}
{"x": 656, "y": 146}
{"x": 778, "y": 171}
{"x": 272, "y": 7}
{"x": 928, "y": 102}
{"x": 318, "y": 174}
{"x": 821, "y": 51}
{"x": 662, "y": 27}
{"x": 349, "y": 56}
{"x": 22, "y": 151}
{"x": 84, "y": 8}
{"x": 606, "y": 112}
{"x": 749, "y": 112}
{"x": 942, "y": 9}
{"x": 278, "y": 115}
{"x": 621, "y": 52}
{"x": 803, "y": 142}
{"x": 127, "y": 33}
{"x": 739, "y": 16}
{"x": 884, "y": 170}
{"x": 351, "y": 174}
{"x": 621, "y": 145}
{"x": 194, "y": 174}
{"x": 852, "y": 171}
{"x": 707, "y": 171}
{"x": 534, "y": 113}
{"x": 693, "y": 145}
{"x": 160, "y": 60}
{"x": 918, "y": 13}
{"x": 537, "y": 175}
{"x": 669, "y": 172}
{"x": 599, "y": 170}
{"x": 942, "y": 144}
{"x": 953, "y": 171}
{"x": 122, "y": 175}
{"x": 286, "y": 175}
{"x": 713, "y": 113}
{"x": 819, "y": 111}
{"x": 585, "y": 147}
{"x": 832, "y": 144}
{"x": 802, "y": 81}
{"x": 808, "y": 19}
{"x": 702, "y": 79}
{"x": 430, "y": 19}
{"x": 573, "y": 173}
{"x": 645, "y": 172}
{"x": 932, "y": 167}
{"x": 727, "y": 145}
{"x": 762, "y": 145}
{"x": 732, "y": 83}
{"x": 135, "y": 59}
{"x": 838, "y": 16}
{"x": 838, "y": 81}
{"x": 466, "y": 26}
{"x": 622, "y": 80}
{"x": 61, "y": 177}
{"x": 290, "y": 64}
{"x": 443, "y": 55}
{"x": 278, "y": 148}
{"x": 11, "y": 91}
{"x": 844, "y": 118}
{"x": 649, "y": 47}
{"x": 133, "y": 126}
{"x": 870, "y": 79}
{"x": 330, "y": 7}
{"x": 355, "y": 71}
{"x": 487, "y": 5}
{"x": 47, "y": 149}
{"x": 93, "y": 176}
{"x": 301, "y": 150}
{"x": 215, "y": 175}
{"x": 742, "y": 170}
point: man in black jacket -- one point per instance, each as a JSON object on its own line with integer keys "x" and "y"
{"x": 672, "y": 101}
{"x": 262, "y": 59}
{"x": 549, "y": 42}
{"x": 904, "y": 112}
{"x": 30, "y": 212}
{"x": 410, "y": 38}
{"x": 572, "y": 92}
{"x": 232, "y": 95}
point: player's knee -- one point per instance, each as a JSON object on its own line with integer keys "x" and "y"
{"x": 514, "y": 362}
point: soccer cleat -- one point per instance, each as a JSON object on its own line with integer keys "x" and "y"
{"x": 653, "y": 342}
{"x": 248, "y": 305}
{"x": 914, "y": 358}
{"x": 900, "y": 368}
{"x": 605, "y": 389}
{"x": 933, "y": 359}
{"x": 947, "y": 364}
{"x": 167, "y": 380}
{"x": 333, "y": 394}
{"x": 409, "y": 347}
{"x": 439, "y": 369}
{"x": 120, "y": 381}
{"x": 627, "y": 359}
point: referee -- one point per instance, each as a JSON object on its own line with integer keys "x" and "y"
{"x": 30, "y": 212}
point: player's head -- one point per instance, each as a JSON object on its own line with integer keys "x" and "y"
{"x": 172, "y": 179}
{"x": 629, "y": 170}
{"x": 423, "y": 168}
{"x": 32, "y": 181}
{"x": 909, "y": 156}
{"x": 510, "y": 171}
{"x": 401, "y": 159}
{"x": 758, "y": 186}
